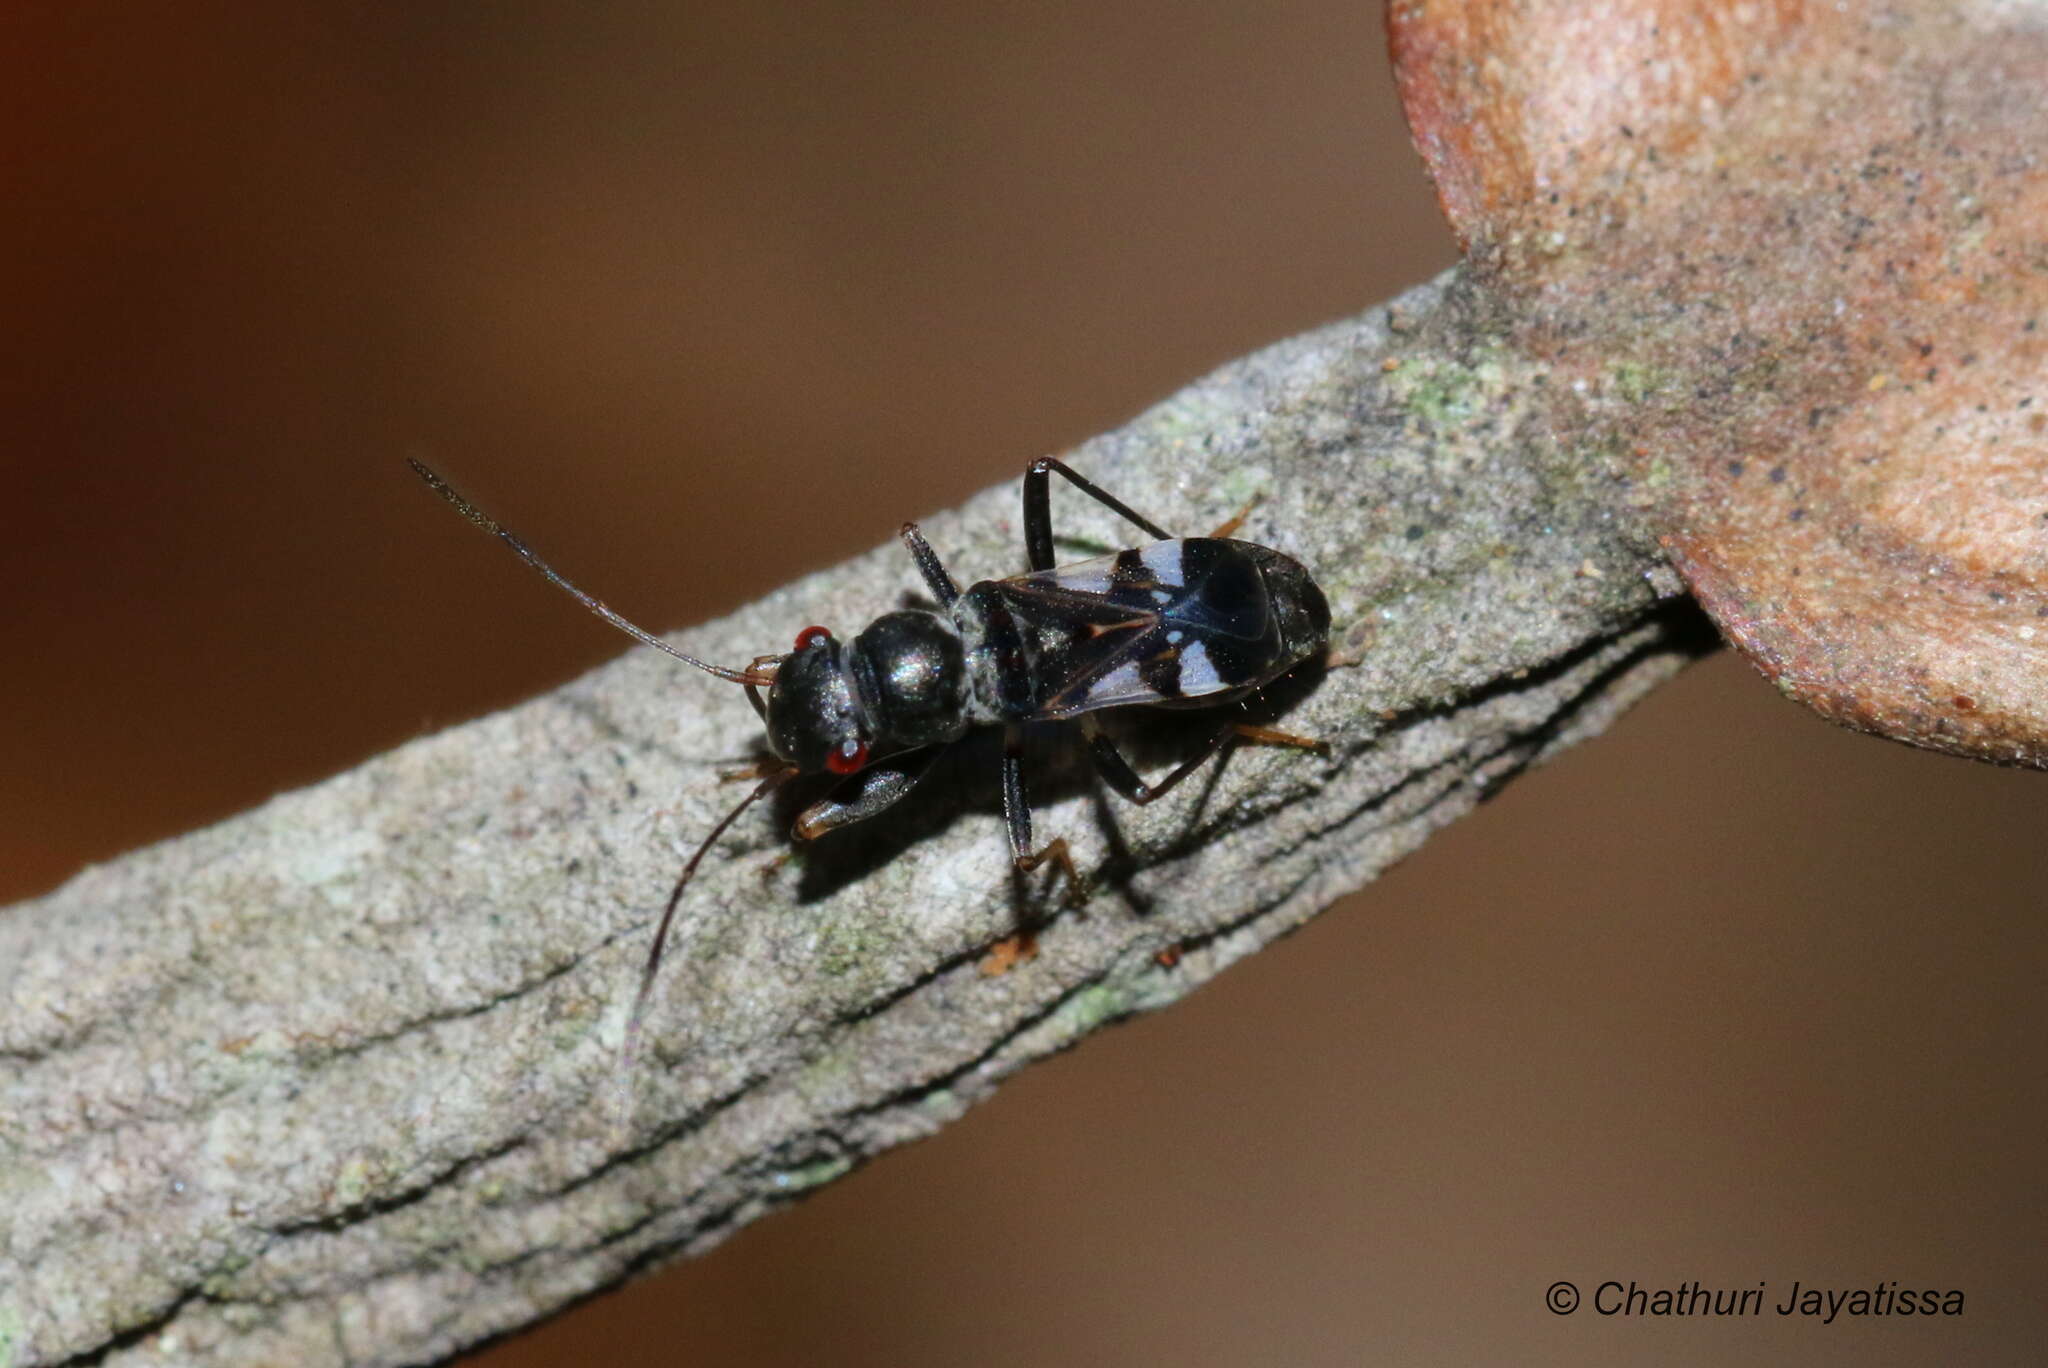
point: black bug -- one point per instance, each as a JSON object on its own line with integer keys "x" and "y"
{"x": 1181, "y": 622}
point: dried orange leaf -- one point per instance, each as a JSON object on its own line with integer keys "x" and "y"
{"x": 1788, "y": 267}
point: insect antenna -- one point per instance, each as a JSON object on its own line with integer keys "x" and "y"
{"x": 675, "y": 898}
{"x": 526, "y": 553}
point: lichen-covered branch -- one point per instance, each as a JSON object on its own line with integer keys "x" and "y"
{"x": 338, "y": 1081}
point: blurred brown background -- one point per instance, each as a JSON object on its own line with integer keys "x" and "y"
{"x": 699, "y": 296}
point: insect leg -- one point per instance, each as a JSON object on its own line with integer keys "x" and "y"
{"x": 1017, "y": 815}
{"x": 928, "y": 564}
{"x": 1229, "y": 529}
{"x": 1038, "y": 509}
{"x": 864, "y": 794}
{"x": 1268, "y": 736}
{"x": 754, "y": 689}
{"x": 1118, "y": 774}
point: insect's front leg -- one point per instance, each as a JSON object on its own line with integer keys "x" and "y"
{"x": 754, "y": 688}
{"x": 863, "y": 795}
{"x": 1017, "y": 816}
{"x": 1038, "y": 509}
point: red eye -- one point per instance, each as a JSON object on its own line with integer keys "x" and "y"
{"x": 849, "y": 758}
{"x": 811, "y": 634}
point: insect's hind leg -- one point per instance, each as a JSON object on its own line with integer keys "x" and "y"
{"x": 1229, "y": 529}
{"x": 1038, "y": 509}
{"x": 1017, "y": 817}
{"x": 1118, "y": 774}
{"x": 1271, "y": 736}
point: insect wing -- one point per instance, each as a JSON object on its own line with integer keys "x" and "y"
{"x": 1173, "y": 621}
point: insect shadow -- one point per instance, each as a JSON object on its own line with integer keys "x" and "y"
{"x": 1159, "y": 738}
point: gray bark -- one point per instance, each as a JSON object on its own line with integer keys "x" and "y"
{"x": 337, "y": 1081}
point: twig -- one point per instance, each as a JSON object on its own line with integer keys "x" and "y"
{"x": 336, "y": 1081}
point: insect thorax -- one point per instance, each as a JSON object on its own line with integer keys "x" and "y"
{"x": 908, "y": 670}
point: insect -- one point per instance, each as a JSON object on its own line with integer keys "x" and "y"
{"x": 1181, "y": 622}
